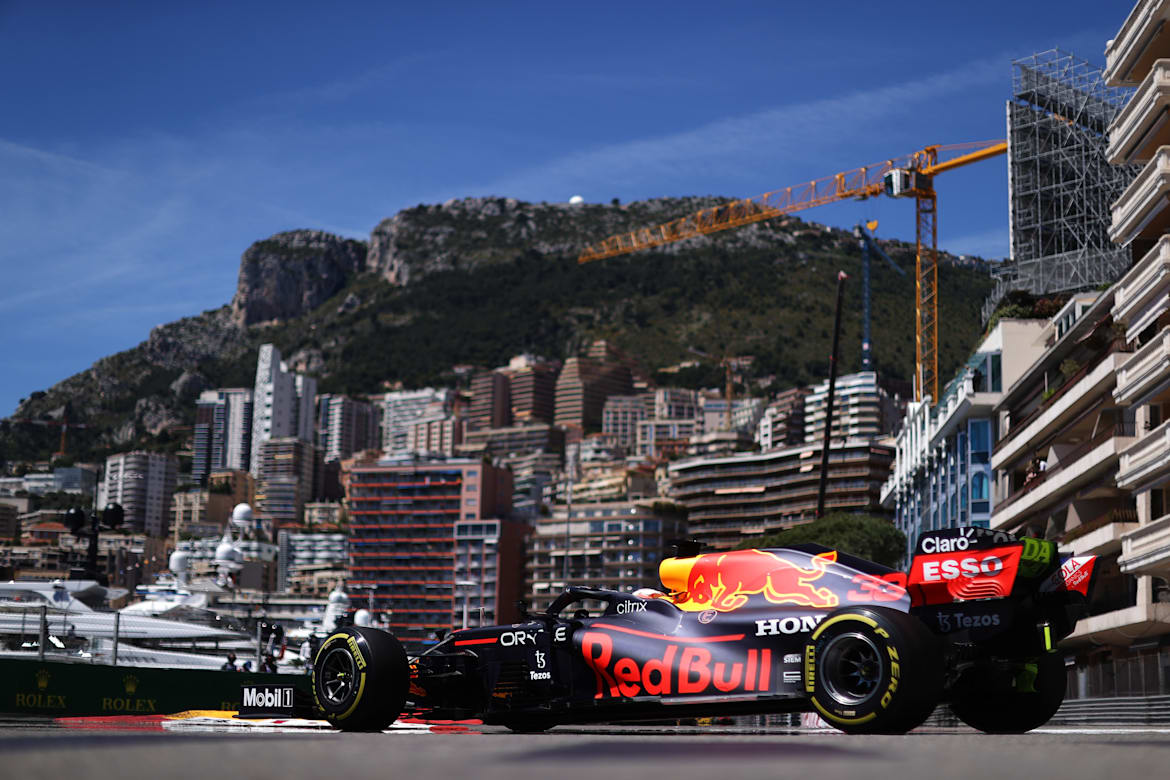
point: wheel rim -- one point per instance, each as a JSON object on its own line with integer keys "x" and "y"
{"x": 852, "y": 668}
{"x": 337, "y": 676}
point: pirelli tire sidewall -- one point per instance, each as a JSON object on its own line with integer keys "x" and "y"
{"x": 906, "y": 676}
{"x": 375, "y": 693}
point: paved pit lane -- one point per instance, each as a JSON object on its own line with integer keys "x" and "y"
{"x": 205, "y": 751}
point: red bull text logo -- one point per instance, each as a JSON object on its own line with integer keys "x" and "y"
{"x": 680, "y": 669}
{"x": 725, "y": 581}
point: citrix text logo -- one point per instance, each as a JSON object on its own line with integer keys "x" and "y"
{"x": 934, "y": 571}
{"x": 510, "y": 638}
{"x": 624, "y": 607}
{"x": 801, "y": 624}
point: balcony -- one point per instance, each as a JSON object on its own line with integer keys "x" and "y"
{"x": 1147, "y": 550}
{"x": 1120, "y": 626}
{"x": 1141, "y": 295}
{"x": 1144, "y": 124}
{"x": 1104, "y": 539}
{"x": 1080, "y": 390}
{"x": 1140, "y": 212}
{"x": 1145, "y": 373}
{"x": 1076, "y": 469}
{"x": 1132, "y": 52}
{"x": 1147, "y": 461}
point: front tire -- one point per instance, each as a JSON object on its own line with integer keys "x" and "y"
{"x": 873, "y": 670}
{"x": 1013, "y": 700}
{"x": 360, "y": 679}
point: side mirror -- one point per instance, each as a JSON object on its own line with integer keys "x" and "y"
{"x": 522, "y": 608}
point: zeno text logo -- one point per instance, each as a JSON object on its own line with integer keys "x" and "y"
{"x": 952, "y": 569}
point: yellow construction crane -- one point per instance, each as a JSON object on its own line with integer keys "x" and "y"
{"x": 911, "y": 176}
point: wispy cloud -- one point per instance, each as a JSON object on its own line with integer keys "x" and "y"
{"x": 783, "y": 131}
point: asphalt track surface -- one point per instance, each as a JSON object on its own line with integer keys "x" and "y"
{"x": 33, "y": 751}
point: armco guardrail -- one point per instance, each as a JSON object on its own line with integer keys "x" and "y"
{"x": 1127, "y": 711}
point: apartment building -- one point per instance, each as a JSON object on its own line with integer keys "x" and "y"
{"x": 621, "y": 415}
{"x": 404, "y": 515}
{"x": 585, "y": 383}
{"x": 502, "y": 442}
{"x": 613, "y": 544}
{"x": 289, "y": 471}
{"x": 731, "y": 498}
{"x": 782, "y": 423}
{"x": 344, "y": 426}
{"x": 533, "y": 386}
{"x": 1124, "y": 647}
{"x": 222, "y": 436}
{"x": 942, "y": 473}
{"x": 282, "y": 403}
{"x": 861, "y": 407}
{"x": 142, "y": 482}
{"x": 402, "y": 409}
{"x": 491, "y": 401}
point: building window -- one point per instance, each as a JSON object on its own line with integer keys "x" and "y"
{"x": 980, "y": 433}
{"x": 979, "y": 486}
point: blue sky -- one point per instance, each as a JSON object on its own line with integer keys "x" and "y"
{"x": 145, "y": 145}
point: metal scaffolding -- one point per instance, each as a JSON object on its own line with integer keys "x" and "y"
{"x": 1061, "y": 186}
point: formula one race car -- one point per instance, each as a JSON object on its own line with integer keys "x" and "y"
{"x": 974, "y": 623}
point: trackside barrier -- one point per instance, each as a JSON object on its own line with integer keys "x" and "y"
{"x": 1127, "y": 711}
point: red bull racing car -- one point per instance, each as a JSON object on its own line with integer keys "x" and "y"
{"x": 974, "y": 622}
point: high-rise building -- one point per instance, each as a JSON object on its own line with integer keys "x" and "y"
{"x": 782, "y": 424}
{"x": 223, "y": 432}
{"x": 345, "y": 426}
{"x": 282, "y": 403}
{"x": 403, "y": 408}
{"x": 732, "y": 498}
{"x": 491, "y": 405}
{"x": 861, "y": 408}
{"x": 288, "y": 480}
{"x": 533, "y": 389}
{"x": 406, "y": 517}
{"x": 439, "y": 435}
{"x": 584, "y": 385}
{"x": 614, "y": 544}
{"x": 142, "y": 482}
{"x": 942, "y": 472}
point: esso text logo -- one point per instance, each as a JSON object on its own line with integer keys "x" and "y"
{"x": 933, "y": 545}
{"x": 936, "y": 571}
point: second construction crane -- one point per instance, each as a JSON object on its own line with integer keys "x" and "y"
{"x": 910, "y": 176}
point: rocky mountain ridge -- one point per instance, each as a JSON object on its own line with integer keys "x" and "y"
{"x": 474, "y": 280}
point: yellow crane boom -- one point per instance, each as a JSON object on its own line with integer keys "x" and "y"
{"x": 907, "y": 176}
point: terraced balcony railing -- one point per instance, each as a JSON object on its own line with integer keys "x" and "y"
{"x": 1116, "y": 346}
{"x": 1066, "y": 461}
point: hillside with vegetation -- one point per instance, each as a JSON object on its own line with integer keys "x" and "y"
{"x": 473, "y": 282}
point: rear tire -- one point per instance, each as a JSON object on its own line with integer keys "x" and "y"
{"x": 992, "y": 702}
{"x": 360, "y": 679}
{"x": 873, "y": 670}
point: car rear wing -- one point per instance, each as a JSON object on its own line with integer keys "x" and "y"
{"x": 969, "y": 564}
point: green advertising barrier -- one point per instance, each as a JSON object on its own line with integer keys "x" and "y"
{"x": 60, "y": 689}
